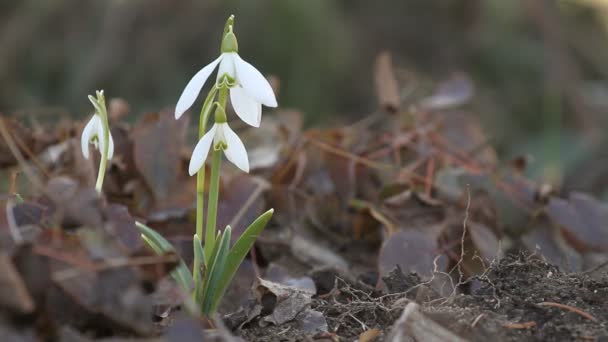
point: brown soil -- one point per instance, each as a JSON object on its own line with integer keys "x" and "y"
{"x": 522, "y": 298}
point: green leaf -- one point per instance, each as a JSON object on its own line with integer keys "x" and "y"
{"x": 199, "y": 270}
{"x": 238, "y": 253}
{"x": 160, "y": 245}
{"x": 216, "y": 272}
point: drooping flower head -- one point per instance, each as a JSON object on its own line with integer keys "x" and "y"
{"x": 223, "y": 138}
{"x": 249, "y": 89}
{"x": 94, "y": 131}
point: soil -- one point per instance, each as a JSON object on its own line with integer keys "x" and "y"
{"x": 521, "y": 298}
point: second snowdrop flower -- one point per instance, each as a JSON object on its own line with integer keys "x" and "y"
{"x": 249, "y": 89}
{"x": 222, "y": 137}
{"x": 94, "y": 133}
{"x": 97, "y": 132}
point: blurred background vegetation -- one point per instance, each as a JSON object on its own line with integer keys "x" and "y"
{"x": 539, "y": 66}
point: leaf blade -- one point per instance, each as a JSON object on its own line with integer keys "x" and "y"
{"x": 239, "y": 251}
{"x": 160, "y": 245}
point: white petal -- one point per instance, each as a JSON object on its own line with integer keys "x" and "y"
{"x": 101, "y": 138}
{"x": 89, "y": 131}
{"x": 235, "y": 152}
{"x": 248, "y": 109}
{"x": 227, "y": 65}
{"x": 193, "y": 88}
{"x": 254, "y": 83}
{"x": 199, "y": 155}
{"x": 111, "y": 147}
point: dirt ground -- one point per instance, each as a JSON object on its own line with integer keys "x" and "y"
{"x": 403, "y": 226}
{"x": 522, "y": 298}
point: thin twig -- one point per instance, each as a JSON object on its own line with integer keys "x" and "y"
{"x": 569, "y": 308}
{"x": 524, "y": 325}
{"x": 17, "y": 154}
{"x": 476, "y": 320}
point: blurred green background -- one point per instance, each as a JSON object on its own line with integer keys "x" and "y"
{"x": 539, "y": 66}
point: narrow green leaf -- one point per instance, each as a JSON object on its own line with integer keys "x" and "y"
{"x": 216, "y": 272}
{"x": 152, "y": 245}
{"x": 160, "y": 245}
{"x": 238, "y": 253}
{"x": 199, "y": 270}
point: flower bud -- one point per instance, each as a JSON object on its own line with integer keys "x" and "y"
{"x": 229, "y": 43}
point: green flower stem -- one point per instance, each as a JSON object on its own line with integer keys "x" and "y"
{"x": 214, "y": 186}
{"x": 103, "y": 113}
{"x": 200, "y": 177}
{"x": 214, "y": 192}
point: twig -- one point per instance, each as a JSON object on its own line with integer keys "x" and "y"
{"x": 569, "y": 308}
{"x": 524, "y": 325}
{"x": 476, "y": 320}
{"x": 352, "y": 156}
{"x": 596, "y": 268}
{"x": 15, "y": 151}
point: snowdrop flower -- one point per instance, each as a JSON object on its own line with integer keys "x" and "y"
{"x": 223, "y": 138}
{"x": 93, "y": 132}
{"x": 249, "y": 89}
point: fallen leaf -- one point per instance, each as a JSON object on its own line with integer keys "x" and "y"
{"x": 158, "y": 139}
{"x": 283, "y": 302}
{"x": 14, "y": 296}
{"x": 582, "y": 220}
{"x": 370, "y": 335}
{"x": 413, "y": 251}
{"x": 311, "y": 321}
{"x": 387, "y": 88}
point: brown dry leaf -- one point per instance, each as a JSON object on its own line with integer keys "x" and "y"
{"x": 415, "y": 325}
{"x": 463, "y": 136}
{"x": 94, "y": 286}
{"x": 14, "y": 296}
{"x": 158, "y": 140}
{"x": 485, "y": 241}
{"x": 74, "y": 205}
{"x": 548, "y": 241}
{"x": 284, "y": 302}
{"x": 35, "y": 271}
{"x": 118, "y": 109}
{"x": 280, "y": 274}
{"x": 387, "y": 88}
{"x": 22, "y": 138}
{"x": 414, "y": 251}
{"x": 122, "y": 225}
{"x": 370, "y": 335}
{"x": 311, "y": 321}
{"x": 241, "y": 202}
{"x": 239, "y": 291}
{"x": 582, "y": 220}
{"x": 267, "y": 144}
{"x": 110, "y": 299}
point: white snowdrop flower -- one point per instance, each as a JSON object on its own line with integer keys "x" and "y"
{"x": 93, "y": 133}
{"x": 249, "y": 89}
{"x": 222, "y": 137}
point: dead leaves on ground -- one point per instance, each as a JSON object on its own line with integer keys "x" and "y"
{"x": 419, "y": 187}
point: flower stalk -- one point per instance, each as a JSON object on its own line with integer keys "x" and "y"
{"x": 97, "y": 131}
{"x": 200, "y": 177}
{"x": 215, "y": 261}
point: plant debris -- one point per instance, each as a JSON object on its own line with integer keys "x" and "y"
{"x": 404, "y": 225}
